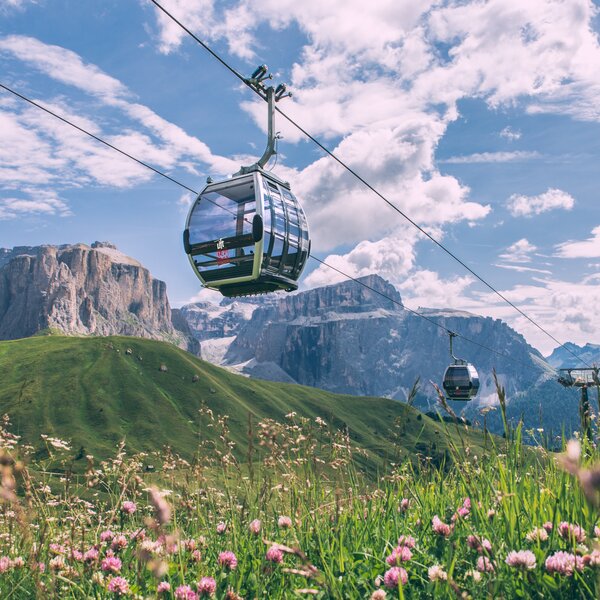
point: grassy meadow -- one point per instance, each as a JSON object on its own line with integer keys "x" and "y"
{"x": 98, "y": 391}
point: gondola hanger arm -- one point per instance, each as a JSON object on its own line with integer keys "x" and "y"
{"x": 271, "y": 95}
{"x": 457, "y": 361}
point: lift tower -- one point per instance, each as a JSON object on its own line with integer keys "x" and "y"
{"x": 583, "y": 379}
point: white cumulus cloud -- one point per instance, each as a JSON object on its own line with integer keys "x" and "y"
{"x": 386, "y": 95}
{"x": 510, "y": 134}
{"x": 565, "y": 309}
{"x": 67, "y": 67}
{"x": 524, "y": 206}
{"x": 519, "y": 252}
{"x": 392, "y": 258}
{"x": 40, "y": 150}
{"x": 205, "y": 20}
{"x": 427, "y": 289}
{"x": 32, "y": 202}
{"x": 589, "y": 248}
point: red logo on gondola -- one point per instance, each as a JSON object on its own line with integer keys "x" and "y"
{"x": 222, "y": 253}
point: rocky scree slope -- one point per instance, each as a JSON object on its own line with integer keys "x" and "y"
{"x": 215, "y": 326}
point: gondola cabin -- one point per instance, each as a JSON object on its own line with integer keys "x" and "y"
{"x": 461, "y": 381}
{"x": 247, "y": 235}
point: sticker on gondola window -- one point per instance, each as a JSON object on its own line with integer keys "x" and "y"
{"x": 222, "y": 257}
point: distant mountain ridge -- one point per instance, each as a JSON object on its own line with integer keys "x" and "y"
{"x": 83, "y": 290}
{"x": 350, "y": 339}
{"x": 562, "y": 358}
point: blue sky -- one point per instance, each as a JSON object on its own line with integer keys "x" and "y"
{"x": 479, "y": 119}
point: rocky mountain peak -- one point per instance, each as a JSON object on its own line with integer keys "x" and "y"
{"x": 562, "y": 357}
{"x": 81, "y": 289}
{"x": 358, "y": 339}
{"x": 371, "y": 290}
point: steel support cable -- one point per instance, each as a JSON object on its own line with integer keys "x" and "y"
{"x": 322, "y": 262}
{"x": 367, "y": 184}
{"x": 95, "y": 137}
{"x": 109, "y": 145}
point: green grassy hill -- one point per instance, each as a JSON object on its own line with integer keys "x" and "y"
{"x": 96, "y": 391}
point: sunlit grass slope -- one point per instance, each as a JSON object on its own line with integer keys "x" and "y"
{"x": 97, "y": 391}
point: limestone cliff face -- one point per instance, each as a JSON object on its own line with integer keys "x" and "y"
{"x": 79, "y": 289}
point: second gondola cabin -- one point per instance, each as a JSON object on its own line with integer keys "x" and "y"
{"x": 461, "y": 381}
{"x": 247, "y": 235}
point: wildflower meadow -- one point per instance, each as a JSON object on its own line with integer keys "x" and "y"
{"x": 299, "y": 518}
